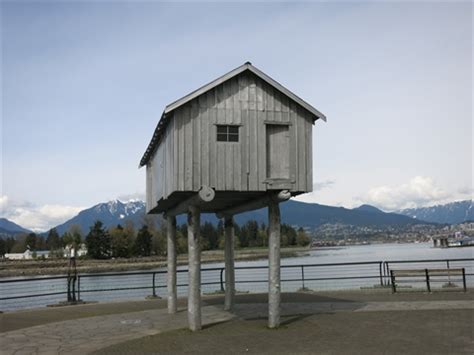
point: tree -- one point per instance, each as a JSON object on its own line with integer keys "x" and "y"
{"x": 30, "y": 241}
{"x": 143, "y": 242}
{"x": 121, "y": 242}
{"x": 53, "y": 242}
{"x": 159, "y": 242}
{"x": 98, "y": 242}
{"x": 76, "y": 235}
{"x": 302, "y": 238}
{"x": 181, "y": 242}
{"x": 3, "y": 248}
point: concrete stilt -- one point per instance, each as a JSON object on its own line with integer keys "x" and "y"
{"x": 274, "y": 265}
{"x": 229, "y": 263}
{"x": 171, "y": 279}
{"x": 194, "y": 255}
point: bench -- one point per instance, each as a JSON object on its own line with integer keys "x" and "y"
{"x": 426, "y": 276}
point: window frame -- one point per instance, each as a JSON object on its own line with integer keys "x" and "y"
{"x": 227, "y": 133}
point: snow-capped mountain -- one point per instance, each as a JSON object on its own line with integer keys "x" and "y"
{"x": 452, "y": 213}
{"x": 302, "y": 214}
{"x": 109, "y": 213}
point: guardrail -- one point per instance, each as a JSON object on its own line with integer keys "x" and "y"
{"x": 39, "y": 291}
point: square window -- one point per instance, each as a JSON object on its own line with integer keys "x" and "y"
{"x": 227, "y": 133}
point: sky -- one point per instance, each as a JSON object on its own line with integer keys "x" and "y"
{"x": 84, "y": 85}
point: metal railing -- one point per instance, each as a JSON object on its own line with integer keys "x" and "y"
{"x": 39, "y": 291}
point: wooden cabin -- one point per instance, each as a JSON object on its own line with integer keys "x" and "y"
{"x": 241, "y": 135}
{"x": 239, "y": 143}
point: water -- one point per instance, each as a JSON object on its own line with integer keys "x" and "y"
{"x": 251, "y": 280}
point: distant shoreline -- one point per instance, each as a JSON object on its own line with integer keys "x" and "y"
{"x": 54, "y": 267}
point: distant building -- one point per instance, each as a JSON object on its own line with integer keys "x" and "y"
{"x": 27, "y": 255}
{"x": 81, "y": 251}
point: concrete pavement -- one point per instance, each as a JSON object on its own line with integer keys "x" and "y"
{"x": 106, "y": 327}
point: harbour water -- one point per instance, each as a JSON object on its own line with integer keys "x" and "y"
{"x": 251, "y": 276}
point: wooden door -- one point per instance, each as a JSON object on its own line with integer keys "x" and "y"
{"x": 278, "y": 151}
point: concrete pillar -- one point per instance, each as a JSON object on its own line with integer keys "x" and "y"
{"x": 194, "y": 269}
{"x": 274, "y": 265}
{"x": 229, "y": 263}
{"x": 171, "y": 280}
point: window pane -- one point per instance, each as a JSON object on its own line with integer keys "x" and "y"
{"x": 221, "y": 137}
{"x": 233, "y": 137}
{"x": 234, "y": 129}
{"x": 221, "y": 129}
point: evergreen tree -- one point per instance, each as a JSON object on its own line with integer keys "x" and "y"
{"x": 30, "y": 241}
{"x": 3, "y": 248}
{"x": 53, "y": 242}
{"x": 98, "y": 242}
{"x": 121, "y": 242}
{"x": 302, "y": 238}
{"x": 143, "y": 242}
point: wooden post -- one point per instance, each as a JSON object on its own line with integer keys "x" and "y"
{"x": 274, "y": 265}
{"x": 194, "y": 269}
{"x": 171, "y": 279}
{"x": 229, "y": 263}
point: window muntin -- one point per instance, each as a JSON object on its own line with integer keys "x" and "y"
{"x": 227, "y": 133}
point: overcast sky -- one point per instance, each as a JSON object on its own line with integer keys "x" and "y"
{"x": 84, "y": 84}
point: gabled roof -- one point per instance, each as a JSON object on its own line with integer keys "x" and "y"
{"x": 174, "y": 105}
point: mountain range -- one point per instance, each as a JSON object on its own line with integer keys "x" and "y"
{"x": 10, "y": 228}
{"x": 309, "y": 215}
{"x": 451, "y": 213}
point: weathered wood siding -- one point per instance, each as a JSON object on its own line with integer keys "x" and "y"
{"x": 160, "y": 170}
{"x": 190, "y": 155}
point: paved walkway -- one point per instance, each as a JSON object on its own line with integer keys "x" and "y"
{"x": 83, "y": 334}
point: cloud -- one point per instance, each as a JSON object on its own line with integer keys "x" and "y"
{"x": 132, "y": 197}
{"x": 466, "y": 191}
{"x": 321, "y": 185}
{"x": 3, "y": 203}
{"x": 36, "y": 218}
{"x": 419, "y": 191}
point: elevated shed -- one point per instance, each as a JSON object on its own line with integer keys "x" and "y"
{"x": 239, "y": 143}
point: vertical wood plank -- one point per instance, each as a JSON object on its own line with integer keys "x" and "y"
{"x": 196, "y": 133}
{"x": 205, "y": 127}
{"x": 212, "y": 148}
{"x": 244, "y": 91}
{"x": 259, "y": 94}
{"x": 188, "y": 146}
{"x": 244, "y": 142}
{"x": 228, "y": 166}
{"x": 301, "y": 150}
{"x": 237, "y": 170}
{"x": 181, "y": 147}
{"x": 220, "y": 99}
{"x": 261, "y": 151}
{"x": 294, "y": 145}
{"x": 252, "y": 93}
{"x": 221, "y": 173}
{"x": 270, "y": 98}
{"x": 309, "y": 152}
{"x": 253, "y": 151}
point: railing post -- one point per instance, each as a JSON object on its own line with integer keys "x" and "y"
{"x": 380, "y": 274}
{"x": 392, "y": 279}
{"x": 427, "y": 280}
{"x": 78, "y": 288}
{"x": 389, "y": 272}
{"x": 464, "y": 279}
{"x": 154, "y": 291}
{"x": 222, "y": 279}
{"x": 302, "y": 275}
